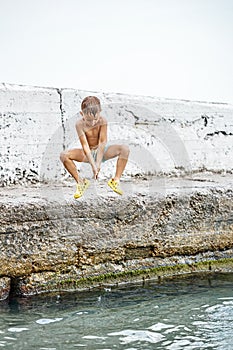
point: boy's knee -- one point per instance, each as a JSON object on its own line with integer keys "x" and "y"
{"x": 125, "y": 150}
{"x": 64, "y": 156}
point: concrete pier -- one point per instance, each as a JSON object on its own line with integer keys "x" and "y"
{"x": 176, "y": 212}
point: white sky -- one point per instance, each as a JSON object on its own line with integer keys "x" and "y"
{"x": 164, "y": 48}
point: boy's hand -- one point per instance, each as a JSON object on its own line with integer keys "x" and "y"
{"x": 96, "y": 173}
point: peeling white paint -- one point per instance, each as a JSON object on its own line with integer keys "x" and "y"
{"x": 164, "y": 135}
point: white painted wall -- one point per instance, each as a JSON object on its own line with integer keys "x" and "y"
{"x": 164, "y": 135}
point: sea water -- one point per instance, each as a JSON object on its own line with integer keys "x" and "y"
{"x": 182, "y": 313}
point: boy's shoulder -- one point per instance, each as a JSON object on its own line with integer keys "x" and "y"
{"x": 103, "y": 120}
{"x": 79, "y": 125}
{"x": 80, "y": 121}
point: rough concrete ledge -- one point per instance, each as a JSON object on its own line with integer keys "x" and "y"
{"x": 160, "y": 226}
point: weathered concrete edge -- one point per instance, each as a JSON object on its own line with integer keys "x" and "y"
{"x": 50, "y": 282}
{"x": 213, "y": 252}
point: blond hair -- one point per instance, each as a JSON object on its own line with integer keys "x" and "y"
{"x": 91, "y": 105}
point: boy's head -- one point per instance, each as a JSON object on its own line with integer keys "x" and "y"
{"x": 91, "y": 106}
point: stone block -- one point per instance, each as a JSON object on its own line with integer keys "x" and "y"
{"x": 5, "y": 284}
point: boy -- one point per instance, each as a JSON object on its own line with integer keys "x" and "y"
{"x": 92, "y": 133}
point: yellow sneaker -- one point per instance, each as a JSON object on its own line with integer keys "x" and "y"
{"x": 81, "y": 188}
{"x": 79, "y": 191}
{"x": 114, "y": 185}
{"x": 86, "y": 184}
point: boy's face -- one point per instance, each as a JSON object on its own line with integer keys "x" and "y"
{"x": 90, "y": 119}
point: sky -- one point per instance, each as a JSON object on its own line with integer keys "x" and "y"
{"x": 181, "y": 49}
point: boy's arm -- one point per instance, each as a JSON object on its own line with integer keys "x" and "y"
{"x": 85, "y": 147}
{"x": 102, "y": 143}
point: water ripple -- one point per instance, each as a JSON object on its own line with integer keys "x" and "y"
{"x": 49, "y": 320}
{"x": 130, "y": 336}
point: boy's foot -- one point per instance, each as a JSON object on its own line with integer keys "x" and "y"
{"x": 81, "y": 188}
{"x": 79, "y": 191}
{"x": 115, "y": 186}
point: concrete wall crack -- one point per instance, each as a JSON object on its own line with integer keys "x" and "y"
{"x": 62, "y": 110}
{"x": 134, "y": 115}
{"x": 220, "y": 132}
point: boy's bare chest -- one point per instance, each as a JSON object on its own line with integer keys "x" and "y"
{"x": 92, "y": 132}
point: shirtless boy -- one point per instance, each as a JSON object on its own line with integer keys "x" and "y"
{"x": 92, "y": 133}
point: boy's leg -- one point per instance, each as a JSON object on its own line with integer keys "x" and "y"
{"x": 122, "y": 151}
{"x": 68, "y": 157}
